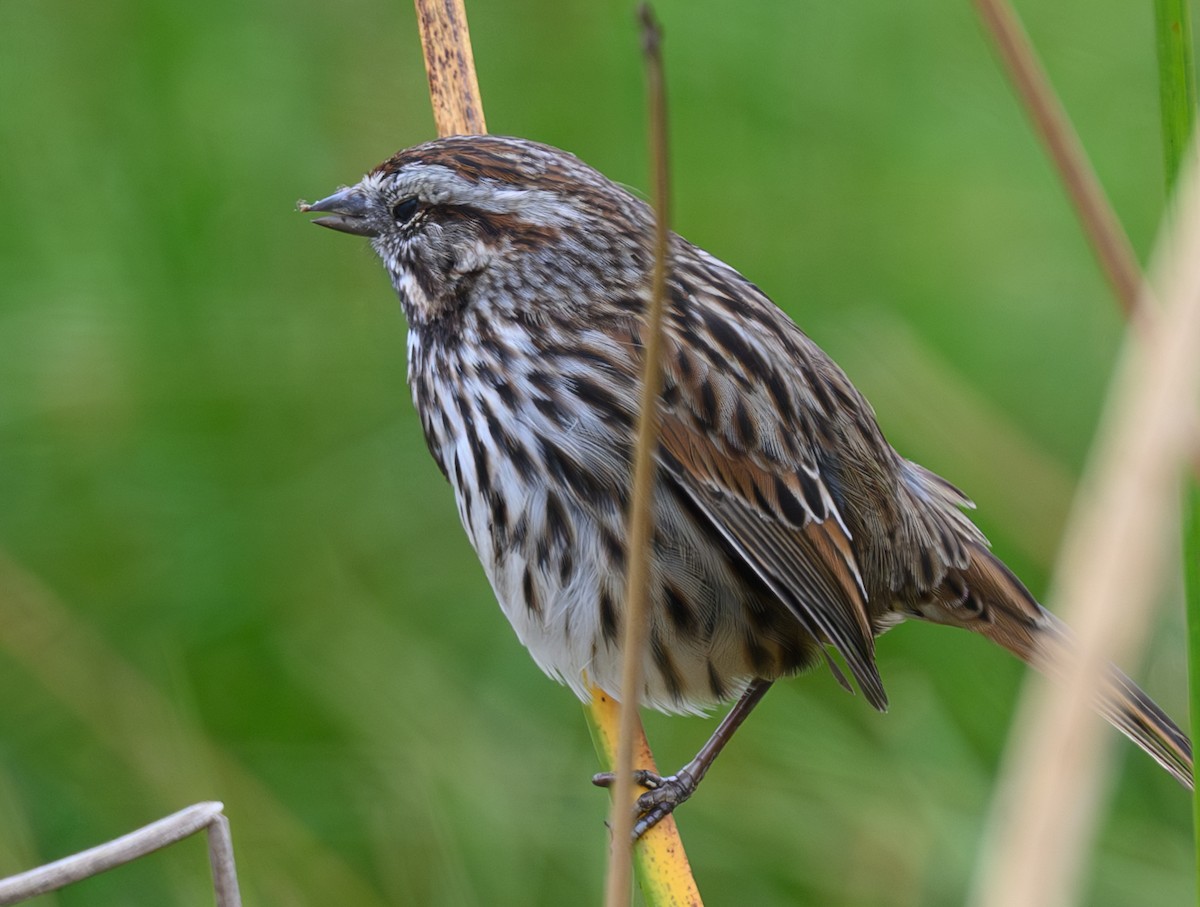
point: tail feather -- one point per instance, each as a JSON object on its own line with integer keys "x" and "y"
{"x": 988, "y": 599}
{"x": 1137, "y": 716}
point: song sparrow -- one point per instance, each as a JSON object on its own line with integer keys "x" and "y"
{"x": 785, "y": 523}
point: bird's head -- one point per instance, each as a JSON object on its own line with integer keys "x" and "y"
{"x": 443, "y": 215}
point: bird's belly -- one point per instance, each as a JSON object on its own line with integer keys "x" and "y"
{"x": 543, "y": 501}
{"x": 563, "y": 591}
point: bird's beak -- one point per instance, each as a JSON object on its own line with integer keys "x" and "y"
{"x": 348, "y": 213}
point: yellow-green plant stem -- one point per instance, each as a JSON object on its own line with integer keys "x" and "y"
{"x": 1176, "y": 81}
{"x": 1177, "y": 98}
{"x": 663, "y": 872}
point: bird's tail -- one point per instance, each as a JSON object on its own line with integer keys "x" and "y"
{"x": 988, "y": 599}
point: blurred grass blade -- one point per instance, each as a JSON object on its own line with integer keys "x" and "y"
{"x": 1177, "y": 100}
{"x": 1176, "y": 82}
{"x": 1110, "y": 570}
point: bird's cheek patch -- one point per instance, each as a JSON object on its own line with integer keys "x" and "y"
{"x": 472, "y": 258}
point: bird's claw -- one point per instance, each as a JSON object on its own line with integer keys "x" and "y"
{"x": 660, "y": 799}
{"x": 641, "y": 777}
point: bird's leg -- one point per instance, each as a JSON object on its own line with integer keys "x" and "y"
{"x": 664, "y": 794}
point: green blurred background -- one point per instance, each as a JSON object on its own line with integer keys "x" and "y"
{"x": 229, "y": 569}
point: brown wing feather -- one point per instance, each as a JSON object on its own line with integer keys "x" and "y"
{"x": 801, "y": 554}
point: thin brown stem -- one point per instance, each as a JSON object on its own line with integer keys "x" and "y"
{"x": 641, "y": 514}
{"x": 1053, "y": 126}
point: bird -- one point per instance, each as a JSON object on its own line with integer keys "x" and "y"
{"x": 787, "y": 530}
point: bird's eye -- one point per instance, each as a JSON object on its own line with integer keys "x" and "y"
{"x": 404, "y": 210}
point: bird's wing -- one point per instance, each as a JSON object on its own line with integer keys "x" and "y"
{"x": 786, "y": 529}
{"x": 733, "y": 440}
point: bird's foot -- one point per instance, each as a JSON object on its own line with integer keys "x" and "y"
{"x": 660, "y": 799}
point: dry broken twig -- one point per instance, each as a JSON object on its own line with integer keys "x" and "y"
{"x": 127, "y": 848}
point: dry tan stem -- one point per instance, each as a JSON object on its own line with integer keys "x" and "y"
{"x": 450, "y": 65}
{"x": 220, "y": 858}
{"x": 1038, "y": 854}
{"x": 133, "y": 846}
{"x": 1109, "y": 573}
